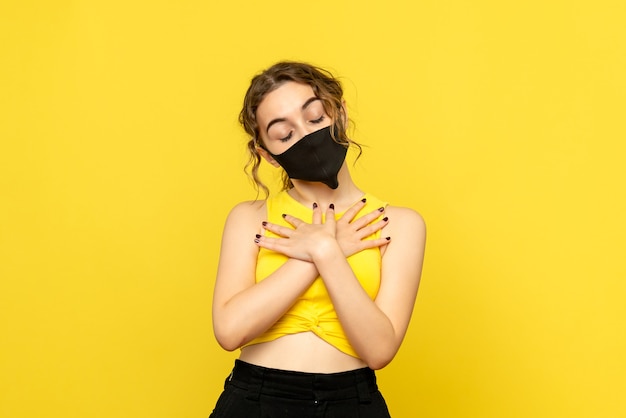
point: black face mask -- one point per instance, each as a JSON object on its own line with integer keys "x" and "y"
{"x": 316, "y": 157}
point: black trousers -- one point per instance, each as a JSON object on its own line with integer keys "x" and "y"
{"x": 258, "y": 392}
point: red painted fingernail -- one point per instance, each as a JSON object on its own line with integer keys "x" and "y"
{"x": 283, "y": 215}
{"x": 381, "y": 209}
{"x": 256, "y": 240}
{"x": 364, "y": 200}
{"x": 332, "y": 206}
{"x": 258, "y": 236}
{"x": 264, "y": 223}
{"x": 388, "y": 238}
{"x": 385, "y": 218}
{"x": 314, "y": 205}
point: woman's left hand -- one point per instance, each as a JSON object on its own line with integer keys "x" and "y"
{"x": 351, "y": 233}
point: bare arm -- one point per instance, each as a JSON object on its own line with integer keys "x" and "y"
{"x": 374, "y": 328}
{"x": 242, "y": 309}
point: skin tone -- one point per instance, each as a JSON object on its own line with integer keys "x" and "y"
{"x": 243, "y": 309}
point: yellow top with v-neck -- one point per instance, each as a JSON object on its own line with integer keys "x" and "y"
{"x": 313, "y": 310}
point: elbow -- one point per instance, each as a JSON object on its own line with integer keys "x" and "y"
{"x": 380, "y": 359}
{"x": 378, "y": 363}
{"x": 227, "y": 344}
{"x": 226, "y": 338}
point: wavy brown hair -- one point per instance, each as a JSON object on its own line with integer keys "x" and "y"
{"x": 325, "y": 86}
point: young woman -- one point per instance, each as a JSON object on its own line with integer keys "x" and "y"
{"x": 315, "y": 284}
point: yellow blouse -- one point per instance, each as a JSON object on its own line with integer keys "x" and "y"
{"x": 313, "y": 311}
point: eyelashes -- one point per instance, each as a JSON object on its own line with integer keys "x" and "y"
{"x": 314, "y": 121}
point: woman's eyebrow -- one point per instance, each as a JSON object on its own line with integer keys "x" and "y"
{"x": 277, "y": 120}
{"x": 308, "y": 102}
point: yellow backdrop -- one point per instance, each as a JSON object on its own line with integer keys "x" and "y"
{"x": 120, "y": 156}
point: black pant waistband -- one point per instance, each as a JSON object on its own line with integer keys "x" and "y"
{"x": 257, "y": 380}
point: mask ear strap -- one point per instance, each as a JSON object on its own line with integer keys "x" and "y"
{"x": 258, "y": 144}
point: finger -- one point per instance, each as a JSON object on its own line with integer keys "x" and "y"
{"x": 280, "y": 245}
{"x": 368, "y": 218}
{"x": 295, "y": 222}
{"x": 372, "y": 228}
{"x": 349, "y": 215}
{"x": 280, "y": 230}
{"x": 317, "y": 214}
{"x": 268, "y": 243}
{"x": 330, "y": 215}
{"x": 373, "y": 243}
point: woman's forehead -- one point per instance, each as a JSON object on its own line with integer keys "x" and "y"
{"x": 289, "y": 97}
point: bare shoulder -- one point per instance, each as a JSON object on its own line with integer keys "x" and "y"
{"x": 407, "y": 231}
{"x": 238, "y": 251}
{"x": 244, "y": 219}
{"x": 248, "y": 211}
{"x": 405, "y": 220}
{"x": 248, "y": 207}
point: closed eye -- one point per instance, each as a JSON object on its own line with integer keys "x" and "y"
{"x": 287, "y": 138}
{"x": 318, "y": 120}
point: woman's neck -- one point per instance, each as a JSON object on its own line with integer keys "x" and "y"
{"x": 344, "y": 196}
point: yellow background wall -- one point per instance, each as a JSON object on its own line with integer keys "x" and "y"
{"x": 120, "y": 156}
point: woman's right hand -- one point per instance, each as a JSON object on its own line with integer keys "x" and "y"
{"x": 305, "y": 240}
{"x": 351, "y": 233}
